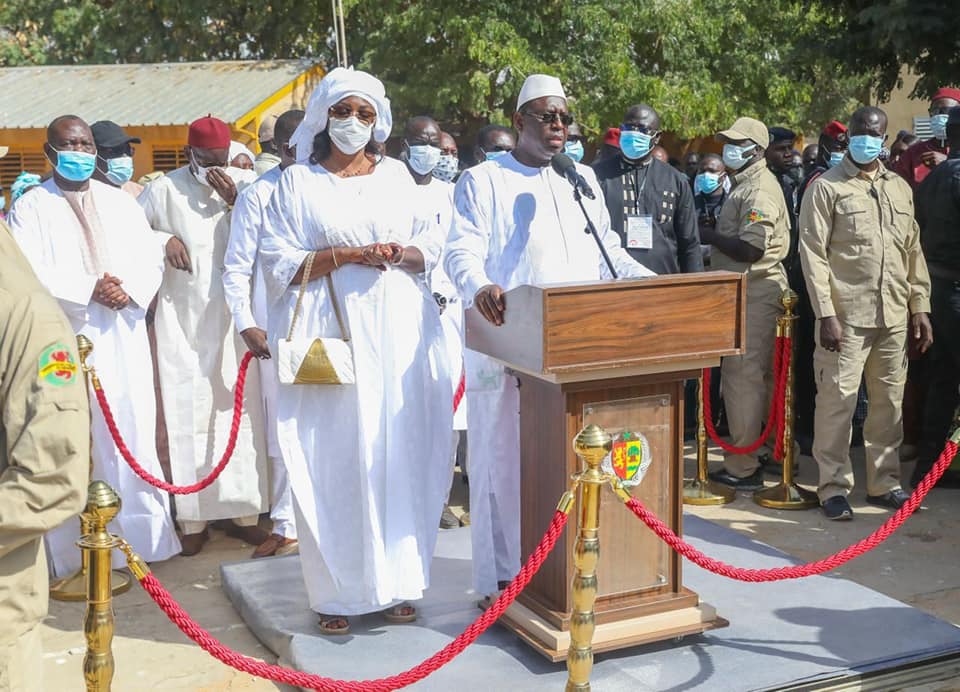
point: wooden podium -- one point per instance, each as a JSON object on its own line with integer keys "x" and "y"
{"x": 614, "y": 353}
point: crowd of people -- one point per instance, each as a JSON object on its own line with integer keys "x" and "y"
{"x": 346, "y": 273}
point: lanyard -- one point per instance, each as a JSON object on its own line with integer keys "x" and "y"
{"x": 639, "y": 186}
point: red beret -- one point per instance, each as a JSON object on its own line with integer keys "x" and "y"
{"x": 612, "y": 137}
{"x": 209, "y": 133}
{"x": 834, "y": 129}
{"x": 947, "y": 93}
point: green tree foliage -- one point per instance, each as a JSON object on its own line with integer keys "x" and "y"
{"x": 701, "y": 63}
{"x": 880, "y": 37}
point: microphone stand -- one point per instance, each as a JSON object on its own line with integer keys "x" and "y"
{"x": 592, "y": 230}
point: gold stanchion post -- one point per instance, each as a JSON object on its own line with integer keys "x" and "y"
{"x": 787, "y": 494}
{"x": 102, "y": 506}
{"x": 701, "y": 490}
{"x": 74, "y": 587}
{"x": 592, "y": 445}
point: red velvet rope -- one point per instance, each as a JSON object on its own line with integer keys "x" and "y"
{"x": 811, "y": 568}
{"x": 781, "y": 358}
{"x": 316, "y": 682}
{"x": 461, "y": 389}
{"x": 158, "y": 482}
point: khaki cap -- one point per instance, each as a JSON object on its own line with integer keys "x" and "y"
{"x": 748, "y": 128}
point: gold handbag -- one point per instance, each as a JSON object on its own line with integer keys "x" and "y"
{"x": 319, "y": 360}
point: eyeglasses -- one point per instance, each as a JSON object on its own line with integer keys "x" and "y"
{"x": 547, "y": 118}
{"x": 642, "y": 129}
{"x": 941, "y": 110}
{"x": 367, "y": 117}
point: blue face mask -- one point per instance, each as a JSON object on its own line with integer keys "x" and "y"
{"x": 734, "y": 157}
{"x": 574, "y": 150}
{"x": 494, "y": 155}
{"x": 706, "y": 183}
{"x": 75, "y": 166}
{"x": 835, "y": 158}
{"x": 865, "y": 148}
{"x": 938, "y": 125}
{"x": 635, "y": 145}
{"x": 119, "y": 169}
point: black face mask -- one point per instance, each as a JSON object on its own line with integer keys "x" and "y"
{"x": 795, "y": 174}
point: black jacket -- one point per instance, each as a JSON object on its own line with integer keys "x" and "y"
{"x": 937, "y": 205}
{"x": 667, "y": 197}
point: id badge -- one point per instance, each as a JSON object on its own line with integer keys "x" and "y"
{"x": 639, "y": 232}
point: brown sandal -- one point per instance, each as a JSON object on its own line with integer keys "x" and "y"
{"x": 334, "y": 624}
{"x": 400, "y": 613}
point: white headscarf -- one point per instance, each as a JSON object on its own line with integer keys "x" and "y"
{"x": 236, "y": 148}
{"x": 337, "y": 85}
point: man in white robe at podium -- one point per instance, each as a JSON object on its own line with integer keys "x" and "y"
{"x": 516, "y": 222}
{"x": 90, "y": 245}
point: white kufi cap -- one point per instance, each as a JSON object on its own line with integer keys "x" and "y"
{"x": 537, "y": 86}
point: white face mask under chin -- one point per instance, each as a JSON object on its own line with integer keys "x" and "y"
{"x": 349, "y": 135}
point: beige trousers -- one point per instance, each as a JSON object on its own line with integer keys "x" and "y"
{"x": 191, "y": 527}
{"x": 21, "y": 668}
{"x": 747, "y": 381}
{"x": 879, "y": 355}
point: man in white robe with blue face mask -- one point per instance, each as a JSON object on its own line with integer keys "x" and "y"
{"x": 91, "y": 247}
{"x": 516, "y": 222}
{"x": 198, "y": 349}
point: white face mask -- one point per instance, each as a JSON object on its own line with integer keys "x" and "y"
{"x": 349, "y": 135}
{"x": 199, "y": 172}
{"x": 423, "y": 158}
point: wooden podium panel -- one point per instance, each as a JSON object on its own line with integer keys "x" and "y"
{"x": 595, "y": 330}
{"x": 631, "y": 556}
{"x": 618, "y": 354}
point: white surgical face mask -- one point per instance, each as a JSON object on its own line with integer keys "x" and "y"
{"x": 199, "y": 172}
{"x": 349, "y": 135}
{"x": 423, "y": 158}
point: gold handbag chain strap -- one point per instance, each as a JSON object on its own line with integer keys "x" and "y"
{"x": 307, "y": 269}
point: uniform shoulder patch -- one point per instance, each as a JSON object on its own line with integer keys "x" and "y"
{"x": 57, "y": 366}
{"x": 755, "y": 215}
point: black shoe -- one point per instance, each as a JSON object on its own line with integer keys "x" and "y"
{"x": 895, "y": 499}
{"x": 775, "y": 468}
{"x": 752, "y": 482}
{"x": 837, "y": 508}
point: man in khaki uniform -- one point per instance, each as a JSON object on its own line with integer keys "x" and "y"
{"x": 751, "y": 236}
{"x": 867, "y": 278}
{"x": 44, "y": 456}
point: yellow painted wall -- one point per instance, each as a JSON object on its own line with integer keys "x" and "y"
{"x": 901, "y": 109}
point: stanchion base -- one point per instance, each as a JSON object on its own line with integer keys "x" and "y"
{"x": 74, "y": 587}
{"x": 553, "y": 643}
{"x": 706, "y": 492}
{"x": 784, "y": 496}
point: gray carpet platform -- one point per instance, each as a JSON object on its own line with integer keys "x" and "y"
{"x": 816, "y": 633}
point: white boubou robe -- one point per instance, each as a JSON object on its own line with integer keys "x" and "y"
{"x": 368, "y": 463}
{"x": 436, "y": 209}
{"x": 246, "y": 294}
{"x": 50, "y": 235}
{"x": 514, "y": 225}
{"x": 199, "y": 353}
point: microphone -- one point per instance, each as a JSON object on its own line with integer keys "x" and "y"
{"x": 566, "y": 168}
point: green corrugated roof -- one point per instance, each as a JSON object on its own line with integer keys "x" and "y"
{"x": 141, "y": 94}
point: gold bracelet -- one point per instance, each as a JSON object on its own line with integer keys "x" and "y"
{"x": 333, "y": 252}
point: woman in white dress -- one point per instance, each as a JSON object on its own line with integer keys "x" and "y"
{"x": 367, "y": 462}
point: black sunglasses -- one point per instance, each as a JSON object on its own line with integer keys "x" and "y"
{"x": 546, "y": 118}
